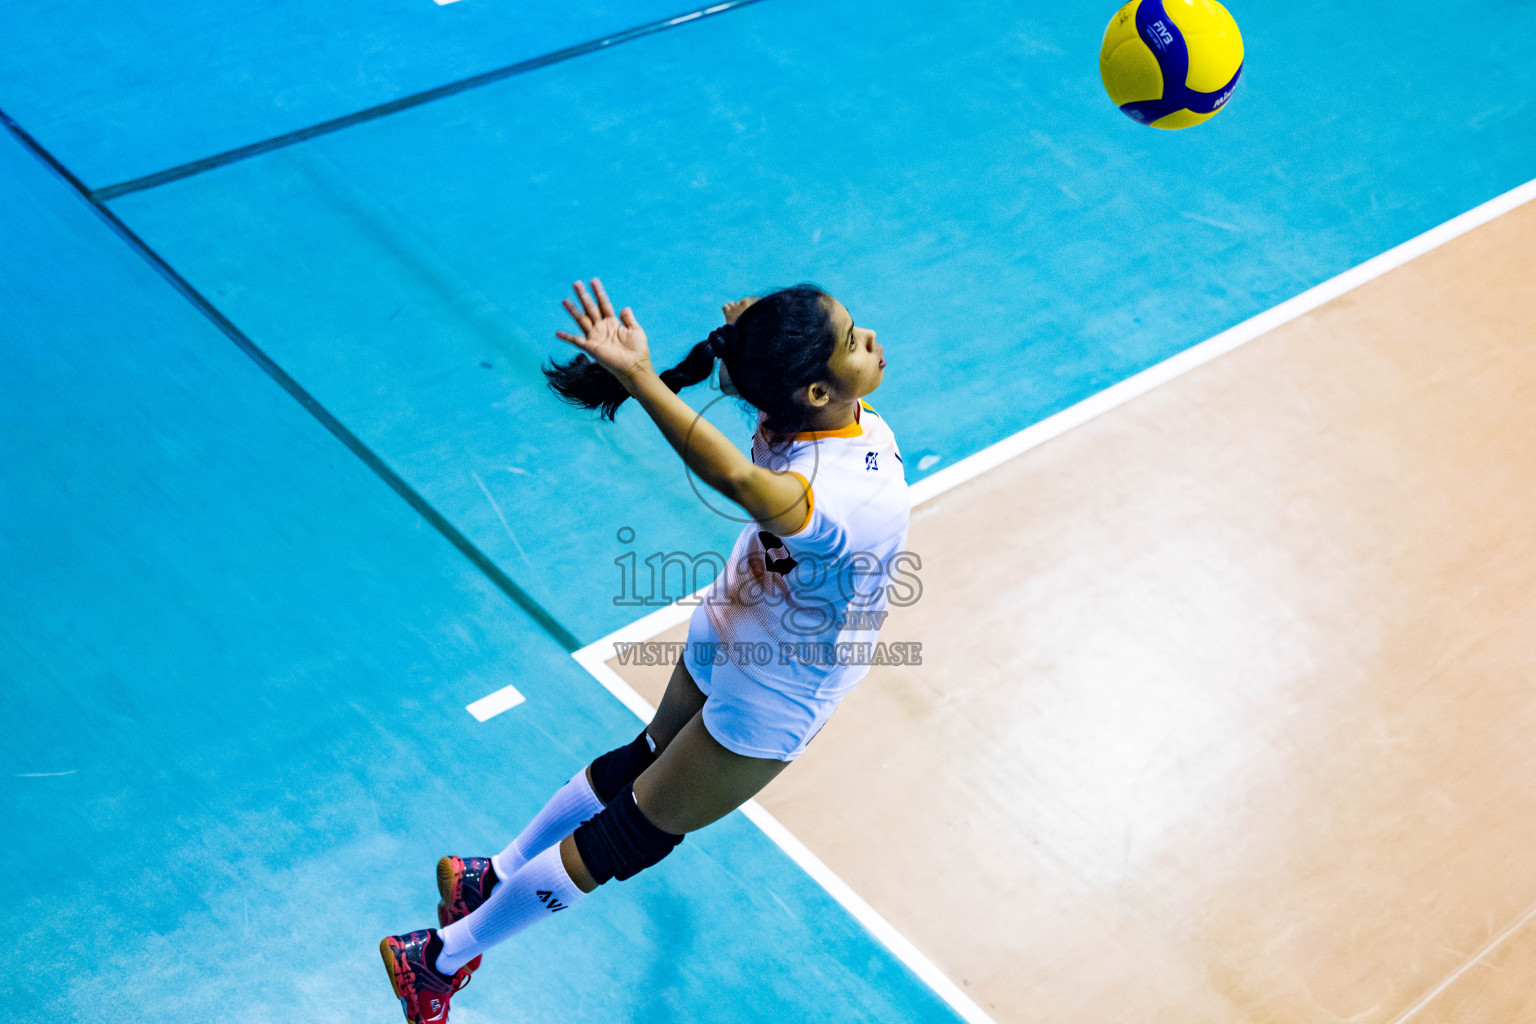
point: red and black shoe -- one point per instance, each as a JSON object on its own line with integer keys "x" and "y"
{"x": 464, "y": 883}
{"x": 423, "y": 992}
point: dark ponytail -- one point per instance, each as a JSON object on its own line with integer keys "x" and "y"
{"x": 779, "y": 345}
{"x": 586, "y": 385}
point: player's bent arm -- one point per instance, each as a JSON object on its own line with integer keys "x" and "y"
{"x": 780, "y": 502}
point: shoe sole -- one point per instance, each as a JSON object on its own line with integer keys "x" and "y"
{"x": 445, "y": 880}
{"x": 392, "y": 966}
{"x": 388, "y": 953}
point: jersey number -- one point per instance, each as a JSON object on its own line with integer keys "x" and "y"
{"x": 782, "y": 566}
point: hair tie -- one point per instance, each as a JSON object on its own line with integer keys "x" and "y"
{"x": 722, "y": 338}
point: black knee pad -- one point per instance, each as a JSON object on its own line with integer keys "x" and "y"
{"x": 618, "y": 768}
{"x": 620, "y": 842}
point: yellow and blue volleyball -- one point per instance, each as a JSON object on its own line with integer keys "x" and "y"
{"x": 1171, "y": 63}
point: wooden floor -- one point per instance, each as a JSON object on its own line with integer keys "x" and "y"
{"x": 1228, "y": 703}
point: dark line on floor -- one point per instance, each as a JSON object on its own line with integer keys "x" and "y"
{"x": 501, "y": 580}
{"x": 187, "y": 170}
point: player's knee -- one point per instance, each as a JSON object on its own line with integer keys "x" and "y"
{"x": 620, "y": 841}
{"x": 618, "y": 768}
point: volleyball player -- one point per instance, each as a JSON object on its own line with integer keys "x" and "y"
{"x": 825, "y": 489}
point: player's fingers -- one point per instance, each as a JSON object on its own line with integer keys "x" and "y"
{"x": 603, "y": 305}
{"x": 587, "y": 305}
{"x": 627, "y": 318}
{"x": 580, "y": 343}
{"x": 577, "y": 315}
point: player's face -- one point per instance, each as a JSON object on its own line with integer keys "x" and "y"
{"x": 858, "y": 361}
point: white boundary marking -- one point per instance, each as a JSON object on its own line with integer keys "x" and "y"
{"x": 591, "y": 659}
{"x": 594, "y": 656}
{"x": 1177, "y": 365}
{"x": 1476, "y": 959}
{"x": 493, "y": 704}
{"x": 1117, "y": 395}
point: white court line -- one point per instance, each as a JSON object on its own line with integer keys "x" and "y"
{"x": 1476, "y": 959}
{"x": 1116, "y": 395}
{"x": 884, "y": 932}
{"x": 594, "y": 656}
{"x": 1175, "y": 366}
{"x": 493, "y": 704}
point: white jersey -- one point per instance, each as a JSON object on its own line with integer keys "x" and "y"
{"x": 801, "y": 612}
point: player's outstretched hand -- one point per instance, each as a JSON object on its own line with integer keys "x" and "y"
{"x": 617, "y": 342}
{"x": 732, "y": 310}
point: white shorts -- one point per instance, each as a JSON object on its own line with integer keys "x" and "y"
{"x": 746, "y": 716}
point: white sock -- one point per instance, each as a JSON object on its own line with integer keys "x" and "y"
{"x": 540, "y": 888}
{"x": 572, "y": 804}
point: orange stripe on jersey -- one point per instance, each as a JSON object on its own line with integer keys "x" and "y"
{"x": 851, "y": 430}
{"x": 810, "y": 503}
{"x": 854, "y": 429}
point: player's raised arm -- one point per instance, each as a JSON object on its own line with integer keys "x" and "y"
{"x": 617, "y": 343}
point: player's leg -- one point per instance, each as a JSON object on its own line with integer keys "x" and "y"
{"x": 618, "y": 768}
{"x": 681, "y": 702}
{"x": 583, "y": 796}
{"x": 694, "y": 782}
{"x": 697, "y": 781}
{"x": 465, "y": 883}
{"x": 426, "y": 967}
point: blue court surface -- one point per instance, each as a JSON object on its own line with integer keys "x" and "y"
{"x": 235, "y": 656}
{"x": 235, "y": 735}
